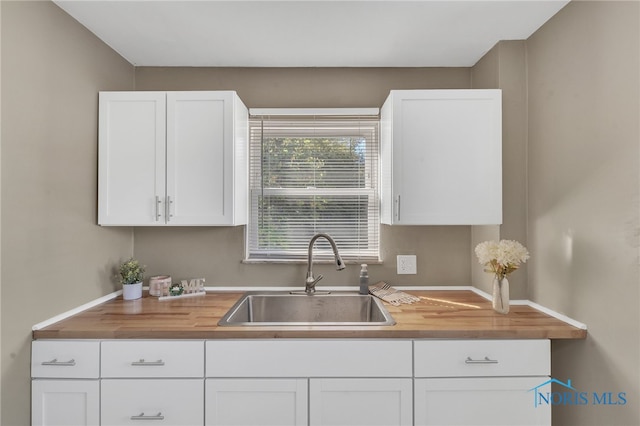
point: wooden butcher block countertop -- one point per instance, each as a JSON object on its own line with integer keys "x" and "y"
{"x": 439, "y": 314}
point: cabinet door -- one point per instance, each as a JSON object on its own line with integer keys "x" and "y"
{"x": 366, "y": 402}
{"x": 201, "y": 155}
{"x": 65, "y": 402}
{"x": 258, "y": 402}
{"x": 442, "y": 151}
{"x": 479, "y": 401}
{"x": 178, "y": 402}
{"x": 131, "y": 169}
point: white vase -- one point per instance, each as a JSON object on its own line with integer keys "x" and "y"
{"x": 500, "y": 299}
{"x": 132, "y": 291}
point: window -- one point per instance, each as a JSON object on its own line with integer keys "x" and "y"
{"x": 311, "y": 175}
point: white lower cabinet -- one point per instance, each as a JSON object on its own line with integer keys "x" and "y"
{"x": 256, "y": 402}
{"x": 480, "y": 382}
{"x": 65, "y": 402}
{"x": 65, "y": 389}
{"x": 360, "y": 402}
{"x": 152, "y": 381}
{"x": 350, "y": 382}
{"x": 178, "y": 402}
{"x": 488, "y": 401}
{"x": 317, "y": 382}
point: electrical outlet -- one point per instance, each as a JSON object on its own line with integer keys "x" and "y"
{"x": 407, "y": 264}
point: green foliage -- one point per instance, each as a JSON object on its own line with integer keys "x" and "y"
{"x": 315, "y": 164}
{"x": 131, "y": 272}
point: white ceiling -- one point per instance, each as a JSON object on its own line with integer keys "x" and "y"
{"x": 308, "y": 33}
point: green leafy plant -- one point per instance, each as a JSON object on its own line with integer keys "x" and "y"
{"x": 176, "y": 290}
{"x": 131, "y": 272}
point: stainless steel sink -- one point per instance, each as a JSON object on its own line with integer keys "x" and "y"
{"x": 280, "y": 308}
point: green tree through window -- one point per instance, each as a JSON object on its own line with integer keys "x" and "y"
{"x": 307, "y": 179}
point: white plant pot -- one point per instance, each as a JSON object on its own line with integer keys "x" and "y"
{"x": 132, "y": 291}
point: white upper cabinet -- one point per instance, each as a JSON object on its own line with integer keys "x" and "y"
{"x": 441, "y": 157}
{"x": 131, "y": 157}
{"x": 172, "y": 158}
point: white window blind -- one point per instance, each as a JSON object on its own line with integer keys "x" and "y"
{"x": 310, "y": 175}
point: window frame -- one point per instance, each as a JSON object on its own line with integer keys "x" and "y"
{"x": 371, "y": 190}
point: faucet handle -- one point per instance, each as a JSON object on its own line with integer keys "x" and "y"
{"x": 313, "y": 280}
{"x": 310, "y": 286}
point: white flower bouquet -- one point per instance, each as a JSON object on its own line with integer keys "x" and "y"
{"x": 501, "y": 257}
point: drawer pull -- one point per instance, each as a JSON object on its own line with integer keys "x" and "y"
{"x": 141, "y": 416}
{"x": 55, "y": 361}
{"x": 142, "y": 362}
{"x": 486, "y": 360}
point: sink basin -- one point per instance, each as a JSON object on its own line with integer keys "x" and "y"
{"x": 279, "y": 308}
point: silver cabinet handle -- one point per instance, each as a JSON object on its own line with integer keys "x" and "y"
{"x": 486, "y": 360}
{"x": 148, "y": 363}
{"x": 158, "y": 202}
{"x": 55, "y": 361}
{"x": 168, "y": 214}
{"x": 398, "y": 208}
{"x": 141, "y": 416}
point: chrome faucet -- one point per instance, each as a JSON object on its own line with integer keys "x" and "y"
{"x": 310, "y": 282}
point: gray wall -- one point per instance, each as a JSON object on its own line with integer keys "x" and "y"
{"x": 0, "y": 211}
{"x": 583, "y": 71}
{"x": 216, "y": 253}
{"x": 582, "y": 193}
{"x": 504, "y": 67}
{"x": 54, "y": 257}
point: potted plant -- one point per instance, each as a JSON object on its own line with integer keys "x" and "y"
{"x": 131, "y": 274}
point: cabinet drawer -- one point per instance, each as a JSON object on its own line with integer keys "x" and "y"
{"x": 473, "y": 358}
{"x": 65, "y": 359}
{"x": 152, "y": 359}
{"x": 177, "y": 402}
{"x": 309, "y": 358}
